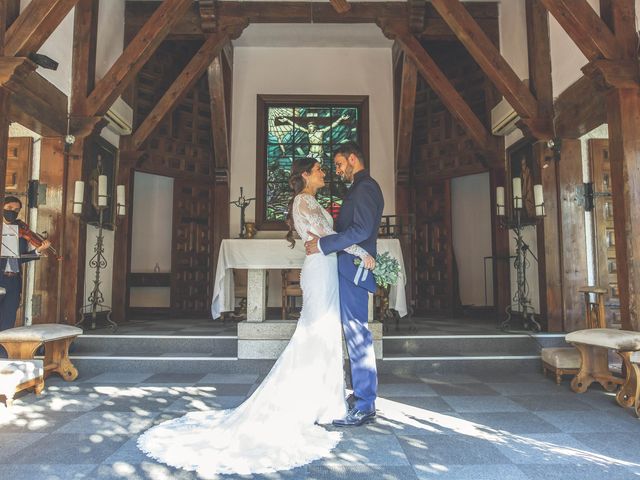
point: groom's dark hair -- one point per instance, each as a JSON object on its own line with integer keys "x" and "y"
{"x": 349, "y": 148}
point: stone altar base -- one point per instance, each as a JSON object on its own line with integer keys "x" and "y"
{"x": 267, "y": 340}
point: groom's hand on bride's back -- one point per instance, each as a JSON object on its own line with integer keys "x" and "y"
{"x": 311, "y": 245}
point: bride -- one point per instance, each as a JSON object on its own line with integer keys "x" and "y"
{"x": 278, "y": 426}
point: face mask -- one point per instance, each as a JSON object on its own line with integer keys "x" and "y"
{"x": 10, "y": 215}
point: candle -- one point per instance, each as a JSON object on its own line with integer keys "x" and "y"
{"x": 120, "y": 199}
{"x": 538, "y": 199}
{"x": 500, "y": 200}
{"x": 517, "y": 192}
{"x": 102, "y": 190}
{"x": 78, "y": 197}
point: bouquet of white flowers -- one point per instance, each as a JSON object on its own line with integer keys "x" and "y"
{"x": 386, "y": 270}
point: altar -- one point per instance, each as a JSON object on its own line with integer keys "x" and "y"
{"x": 260, "y": 339}
{"x": 259, "y": 255}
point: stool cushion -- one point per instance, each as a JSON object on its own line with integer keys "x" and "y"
{"x": 562, "y": 357}
{"x": 43, "y": 333}
{"x": 622, "y": 340}
{"x": 15, "y": 372}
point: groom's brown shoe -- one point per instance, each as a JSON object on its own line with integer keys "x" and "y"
{"x": 355, "y": 418}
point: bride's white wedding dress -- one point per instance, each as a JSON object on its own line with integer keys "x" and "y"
{"x": 276, "y": 428}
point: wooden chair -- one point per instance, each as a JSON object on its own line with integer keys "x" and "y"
{"x": 290, "y": 290}
{"x": 594, "y": 311}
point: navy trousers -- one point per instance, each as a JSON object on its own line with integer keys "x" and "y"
{"x": 354, "y": 312}
{"x": 9, "y": 303}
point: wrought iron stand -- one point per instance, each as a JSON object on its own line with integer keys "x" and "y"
{"x": 521, "y": 263}
{"x": 98, "y": 262}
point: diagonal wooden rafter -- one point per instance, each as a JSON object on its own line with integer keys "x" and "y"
{"x": 407, "y": 105}
{"x": 488, "y": 58}
{"x": 34, "y": 25}
{"x": 187, "y": 78}
{"x": 446, "y": 92}
{"x": 585, "y": 27}
{"x": 135, "y": 56}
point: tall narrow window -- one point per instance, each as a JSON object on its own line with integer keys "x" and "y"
{"x": 303, "y": 126}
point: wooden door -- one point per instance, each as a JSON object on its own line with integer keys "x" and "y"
{"x": 17, "y": 179}
{"x": 605, "y": 243}
{"x": 192, "y": 248}
{"x": 434, "y": 248}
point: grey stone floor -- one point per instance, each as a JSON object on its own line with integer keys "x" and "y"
{"x": 429, "y": 427}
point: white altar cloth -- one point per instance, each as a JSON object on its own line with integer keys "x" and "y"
{"x": 265, "y": 254}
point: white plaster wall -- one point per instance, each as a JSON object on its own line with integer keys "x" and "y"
{"x": 151, "y": 235}
{"x": 110, "y": 42}
{"x": 471, "y": 221}
{"x": 315, "y": 71}
{"x": 59, "y": 46}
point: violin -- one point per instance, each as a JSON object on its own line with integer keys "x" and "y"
{"x": 34, "y": 238}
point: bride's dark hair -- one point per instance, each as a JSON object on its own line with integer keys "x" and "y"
{"x": 296, "y": 182}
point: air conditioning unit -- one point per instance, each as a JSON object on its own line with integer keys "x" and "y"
{"x": 120, "y": 117}
{"x": 503, "y": 118}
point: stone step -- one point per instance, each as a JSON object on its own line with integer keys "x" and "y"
{"x": 156, "y": 345}
{"x": 468, "y": 345}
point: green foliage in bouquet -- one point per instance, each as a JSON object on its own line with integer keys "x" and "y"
{"x": 386, "y": 271}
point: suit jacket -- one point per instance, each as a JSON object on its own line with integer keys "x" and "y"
{"x": 357, "y": 224}
{"x": 24, "y": 248}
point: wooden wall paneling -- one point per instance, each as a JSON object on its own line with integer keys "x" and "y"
{"x": 550, "y": 242}
{"x": 623, "y": 112}
{"x": 4, "y": 110}
{"x": 604, "y": 231}
{"x": 191, "y": 259}
{"x": 574, "y": 251}
{"x": 434, "y": 248}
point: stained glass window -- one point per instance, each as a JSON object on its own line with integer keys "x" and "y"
{"x": 298, "y": 130}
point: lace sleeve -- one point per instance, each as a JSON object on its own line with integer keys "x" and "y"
{"x": 308, "y": 216}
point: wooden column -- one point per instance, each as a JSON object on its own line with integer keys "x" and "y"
{"x": 4, "y": 110}
{"x": 549, "y": 242}
{"x": 623, "y": 113}
{"x": 573, "y": 240}
{"x": 74, "y": 232}
{"x": 500, "y": 247}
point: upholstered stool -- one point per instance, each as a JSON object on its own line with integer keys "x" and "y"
{"x": 560, "y": 361}
{"x": 17, "y": 375}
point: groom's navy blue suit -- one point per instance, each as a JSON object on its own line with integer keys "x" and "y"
{"x": 357, "y": 224}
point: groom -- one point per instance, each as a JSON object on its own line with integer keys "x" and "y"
{"x": 357, "y": 223}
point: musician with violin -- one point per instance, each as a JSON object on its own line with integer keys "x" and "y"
{"x": 10, "y": 268}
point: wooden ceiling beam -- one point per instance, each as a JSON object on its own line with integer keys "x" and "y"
{"x": 587, "y": 30}
{"x": 539, "y": 50}
{"x": 620, "y": 17}
{"x": 34, "y": 25}
{"x": 407, "y": 106}
{"x": 83, "y": 64}
{"x": 187, "y": 78}
{"x": 449, "y": 96}
{"x": 135, "y": 55}
{"x": 488, "y": 58}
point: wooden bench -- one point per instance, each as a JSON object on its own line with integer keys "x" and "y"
{"x": 593, "y": 345}
{"x": 21, "y": 343}
{"x": 18, "y": 375}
